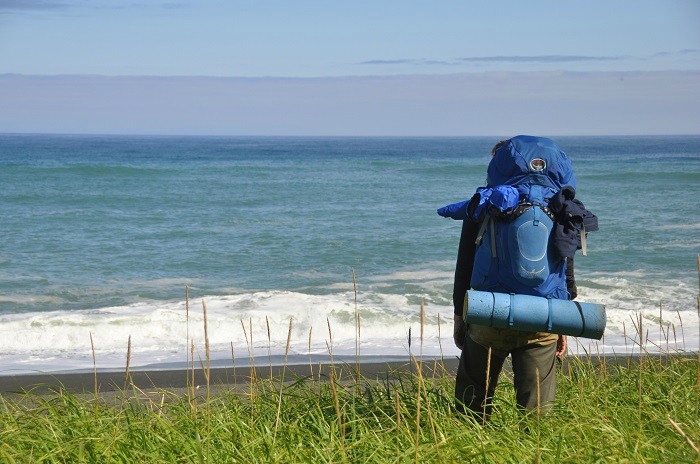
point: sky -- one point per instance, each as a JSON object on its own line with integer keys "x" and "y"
{"x": 350, "y": 68}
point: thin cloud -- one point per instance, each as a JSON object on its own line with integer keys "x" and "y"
{"x": 29, "y": 5}
{"x": 410, "y": 61}
{"x": 141, "y": 5}
{"x": 539, "y": 58}
{"x": 49, "y": 5}
{"x": 529, "y": 59}
{"x": 499, "y": 59}
{"x": 389, "y": 62}
{"x": 685, "y": 51}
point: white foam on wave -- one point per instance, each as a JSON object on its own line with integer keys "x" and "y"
{"x": 58, "y": 340}
{"x": 419, "y": 275}
{"x": 668, "y": 310}
{"x": 30, "y": 299}
{"x": 159, "y": 332}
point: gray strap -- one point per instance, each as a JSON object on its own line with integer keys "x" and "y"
{"x": 583, "y": 318}
{"x": 493, "y": 239}
{"x": 584, "y": 248}
{"x": 482, "y": 229}
{"x": 511, "y": 314}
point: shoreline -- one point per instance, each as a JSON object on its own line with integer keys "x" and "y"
{"x": 174, "y": 379}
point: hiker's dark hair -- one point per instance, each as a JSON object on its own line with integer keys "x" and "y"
{"x": 497, "y": 146}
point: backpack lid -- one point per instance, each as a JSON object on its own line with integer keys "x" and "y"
{"x": 525, "y": 159}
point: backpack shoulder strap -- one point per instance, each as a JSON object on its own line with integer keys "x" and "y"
{"x": 482, "y": 230}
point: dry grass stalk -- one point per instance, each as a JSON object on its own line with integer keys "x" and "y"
{"x": 661, "y": 321}
{"x": 284, "y": 368}
{"x": 269, "y": 342}
{"x": 330, "y": 335}
{"x": 311, "y": 366}
{"x": 252, "y": 349}
{"x": 604, "y": 357}
{"x": 94, "y": 367}
{"x": 682, "y": 433}
{"x": 486, "y": 392}
{"x": 639, "y": 379}
{"x": 418, "y": 408}
{"x": 192, "y": 401}
{"x": 637, "y": 322}
{"x": 422, "y": 327}
{"x": 336, "y": 401}
{"x": 675, "y": 340}
{"x": 128, "y": 362}
{"x": 207, "y": 354}
{"x": 250, "y": 357}
{"x": 698, "y": 300}
{"x": 442, "y": 357}
{"x": 357, "y": 329}
{"x": 537, "y": 378}
{"x": 398, "y": 410}
{"x": 204, "y": 369}
{"x": 233, "y": 361}
{"x": 421, "y": 381}
{"x": 680, "y": 319}
{"x": 187, "y": 324}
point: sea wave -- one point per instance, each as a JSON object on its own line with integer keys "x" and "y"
{"x": 102, "y": 170}
{"x": 257, "y": 323}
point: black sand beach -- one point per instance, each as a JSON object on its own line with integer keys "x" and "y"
{"x": 221, "y": 377}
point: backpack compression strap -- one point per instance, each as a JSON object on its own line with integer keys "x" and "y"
{"x": 482, "y": 229}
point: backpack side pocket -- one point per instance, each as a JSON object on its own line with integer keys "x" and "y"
{"x": 528, "y": 242}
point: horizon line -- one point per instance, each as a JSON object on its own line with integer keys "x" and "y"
{"x": 346, "y": 76}
{"x": 102, "y": 134}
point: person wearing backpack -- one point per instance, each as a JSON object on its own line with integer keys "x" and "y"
{"x": 519, "y": 235}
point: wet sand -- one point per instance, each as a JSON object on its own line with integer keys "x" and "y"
{"x": 176, "y": 379}
{"x": 230, "y": 379}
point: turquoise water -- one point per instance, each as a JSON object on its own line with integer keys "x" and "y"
{"x": 101, "y": 234}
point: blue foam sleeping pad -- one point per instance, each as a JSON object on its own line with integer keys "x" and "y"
{"x": 535, "y": 314}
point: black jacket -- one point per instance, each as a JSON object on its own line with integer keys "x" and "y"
{"x": 571, "y": 216}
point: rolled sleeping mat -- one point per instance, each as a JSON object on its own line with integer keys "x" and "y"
{"x": 535, "y": 314}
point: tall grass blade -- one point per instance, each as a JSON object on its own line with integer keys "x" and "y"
{"x": 269, "y": 342}
{"x": 187, "y": 330}
{"x": 207, "y": 353}
{"x": 486, "y": 391}
{"x": 94, "y": 367}
{"x": 233, "y": 361}
{"x": 686, "y": 437}
{"x": 422, "y": 327}
{"x": 311, "y": 366}
{"x": 357, "y": 329}
{"x": 284, "y": 368}
{"x": 128, "y": 362}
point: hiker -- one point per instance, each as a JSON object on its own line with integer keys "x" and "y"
{"x": 524, "y": 171}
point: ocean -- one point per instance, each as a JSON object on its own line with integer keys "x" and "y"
{"x": 102, "y": 234}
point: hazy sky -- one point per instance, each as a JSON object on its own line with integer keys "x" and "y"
{"x": 361, "y": 67}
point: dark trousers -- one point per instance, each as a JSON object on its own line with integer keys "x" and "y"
{"x": 532, "y": 365}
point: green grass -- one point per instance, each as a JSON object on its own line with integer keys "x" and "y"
{"x": 617, "y": 414}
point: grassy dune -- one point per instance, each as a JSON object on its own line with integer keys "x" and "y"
{"x": 646, "y": 411}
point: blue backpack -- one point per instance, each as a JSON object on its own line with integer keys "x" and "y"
{"x": 513, "y": 252}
